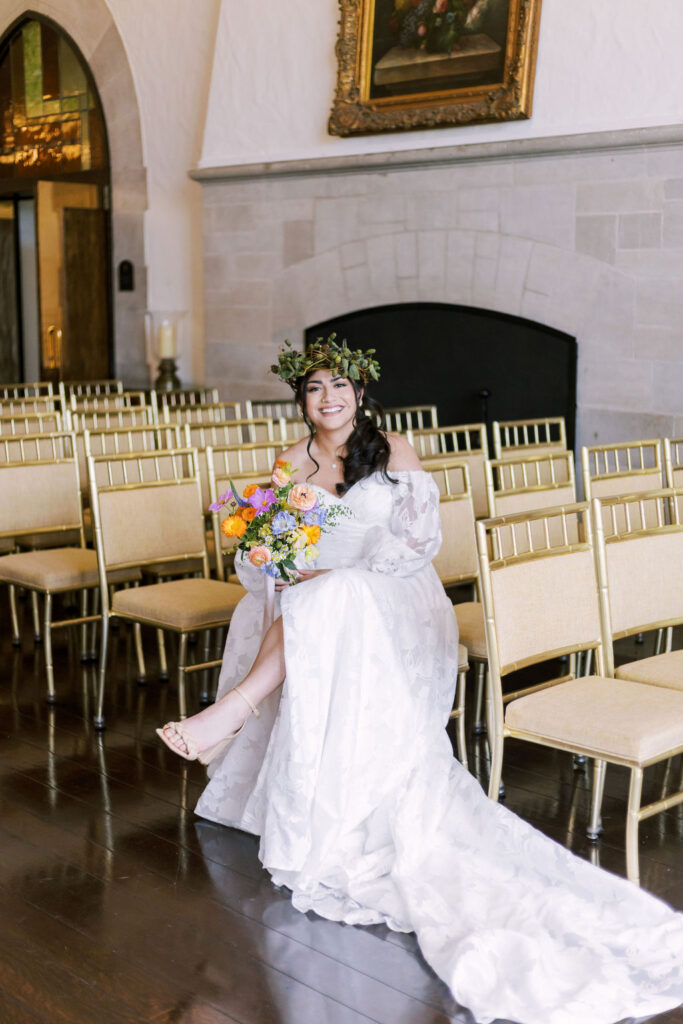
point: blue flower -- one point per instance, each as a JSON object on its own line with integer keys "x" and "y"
{"x": 283, "y": 522}
{"x": 316, "y": 516}
{"x": 450, "y": 16}
{"x": 271, "y": 569}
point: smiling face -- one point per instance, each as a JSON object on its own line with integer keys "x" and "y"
{"x": 329, "y": 401}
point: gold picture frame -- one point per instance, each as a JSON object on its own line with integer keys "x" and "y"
{"x": 386, "y": 85}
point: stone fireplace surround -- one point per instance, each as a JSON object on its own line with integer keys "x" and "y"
{"x": 585, "y": 237}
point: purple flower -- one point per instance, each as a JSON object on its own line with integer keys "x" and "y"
{"x": 262, "y": 500}
{"x": 316, "y": 516}
{"x": 282, "y": 522}
{"x": 224, "y": 499}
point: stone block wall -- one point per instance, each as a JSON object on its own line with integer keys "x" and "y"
{"x": 590, "y": 243}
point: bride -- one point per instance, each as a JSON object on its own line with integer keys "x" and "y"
{"x": 347, "y": 774}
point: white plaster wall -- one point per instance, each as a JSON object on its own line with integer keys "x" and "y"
{"x": 603, "y": 65}
{"x": 170, "y": 49}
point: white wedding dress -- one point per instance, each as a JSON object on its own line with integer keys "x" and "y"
{"x": 348, "y": 778}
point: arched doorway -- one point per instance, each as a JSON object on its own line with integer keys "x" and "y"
{"x": 55, "y": 267}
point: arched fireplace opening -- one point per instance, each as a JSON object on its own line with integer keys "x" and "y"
{"x": 474, "y": 364}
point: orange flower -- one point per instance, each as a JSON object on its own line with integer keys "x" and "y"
{"x": 247, "y": 514}
{"x": 249, "y": 490}
{"x": 234, "y": 526}
{"x": 313, "y": 533}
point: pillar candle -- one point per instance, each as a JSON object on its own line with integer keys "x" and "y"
{"x": 167, "y": 341}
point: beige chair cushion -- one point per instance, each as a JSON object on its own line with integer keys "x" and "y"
{"x": 603, "y": 717}
{"x": 470, "y": 616}
{"x": 180, "y": 604}
{"x": 662, "y": 670}
{"x": 463, "y": 663}
{"x": 57, "y": 569}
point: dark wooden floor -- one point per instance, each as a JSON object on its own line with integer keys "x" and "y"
{"x": 118, "y": 905}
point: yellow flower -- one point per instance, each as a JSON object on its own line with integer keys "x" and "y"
{"x": 300, "y": 540}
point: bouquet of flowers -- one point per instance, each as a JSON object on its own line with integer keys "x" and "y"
{"x": 432, "y": 25}
{"x": 275, "y": 524}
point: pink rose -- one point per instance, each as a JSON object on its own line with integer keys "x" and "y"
{"x": 440, "y": 6}
{"x": 302, "y": 497}
{"x": 259, "y": 555}
{"x": 422, "y": 30}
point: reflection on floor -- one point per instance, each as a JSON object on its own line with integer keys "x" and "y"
{"x": 118, "y": 905}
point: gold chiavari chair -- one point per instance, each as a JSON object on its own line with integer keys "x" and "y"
{"x": 529, "y": 482}
{"x": 116, "y": 400}
{"x": 28, "y": 389}
{"x": 610, "y": 470}
{"x": 411, "y": 417}
{"x": 161, "y": 493}
{"x": 546, "y": 602}
{"x": 30, "y": 404}
{"x": 87, "y": 388}
{"x": 466, "y": 443}
{"x": 183, "y": 397}
{"x": 205, "y": 412}
{"x": 513, "y": 438}
{"x": 287, "y": 409}
{"x": 40, "y": 494}
{"x": 31, "y": 423}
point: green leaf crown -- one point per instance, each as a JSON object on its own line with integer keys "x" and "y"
{"x": 329, "y": 355}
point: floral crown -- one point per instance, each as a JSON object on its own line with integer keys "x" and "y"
{"x": 326, "y": 354}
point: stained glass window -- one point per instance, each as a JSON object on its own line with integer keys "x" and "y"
{"x": 50, "y": 118}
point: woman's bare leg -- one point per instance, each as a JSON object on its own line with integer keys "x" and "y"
{"x": 212, "y": 725}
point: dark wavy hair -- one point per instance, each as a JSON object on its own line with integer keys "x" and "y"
{"x": 367, "y": 447}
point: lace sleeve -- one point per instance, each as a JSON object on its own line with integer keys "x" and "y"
{"x": 413, "y": 536}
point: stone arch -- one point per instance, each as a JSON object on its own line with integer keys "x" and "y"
{"x": 510, "y": 274}
{"x": 94, "y": 31}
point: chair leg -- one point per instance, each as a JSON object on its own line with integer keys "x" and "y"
{"x": 84, "y": 626}
{"x": 479, "y": 727}
{"x": 104, "y": 646}
{"x": 47, "y": 630}
{"x": 182, "y": 658}
{"x": 36, "y": 617}
{"x": 460, "y": 724}
{"x": 634, "y": 793}
{"x": 163, "y": 664}
{"x": 93, "y": 633}
{"x": 139, "y": 653}
{"x": 594, "y": 829}
{"x": 495, "y": 781}
{"x": 16, "y": 636}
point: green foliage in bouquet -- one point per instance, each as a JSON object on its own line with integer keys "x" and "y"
{"x": 329, "y": 355}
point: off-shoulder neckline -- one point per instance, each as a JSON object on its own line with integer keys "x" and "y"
{"x": 391, "y": 472}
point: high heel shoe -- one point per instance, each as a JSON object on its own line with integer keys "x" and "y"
{"x": 192, "y": 753}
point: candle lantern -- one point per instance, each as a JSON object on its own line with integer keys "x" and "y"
{"x": 163, "y": 333}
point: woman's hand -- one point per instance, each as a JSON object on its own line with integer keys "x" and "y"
{"x": 301, "y": 576}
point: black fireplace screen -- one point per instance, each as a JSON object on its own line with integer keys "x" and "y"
{"x": 475, "y": 365}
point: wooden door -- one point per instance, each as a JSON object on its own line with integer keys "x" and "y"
{"x": 72, "y": 248}
{"x": 85, "y": 347}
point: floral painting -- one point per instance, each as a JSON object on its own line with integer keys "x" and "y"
{"x": 423, "y": 63}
